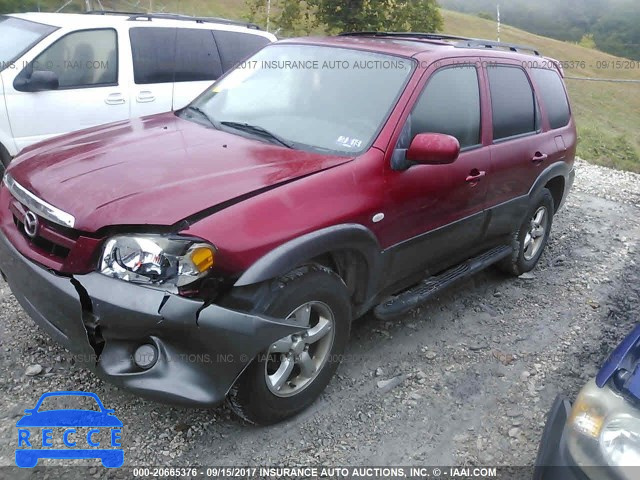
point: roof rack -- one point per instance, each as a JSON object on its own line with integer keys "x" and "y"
{"x": 174, "y": 16}
{"x": 419, "y": 35}
{"x": 461, "y": 42}
{"x": 479, "y": 43}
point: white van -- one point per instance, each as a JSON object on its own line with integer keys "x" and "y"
{"x": 65, "y": 72}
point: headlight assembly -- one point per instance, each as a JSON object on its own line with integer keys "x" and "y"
{"x": 620, "y": 440}
{"x": 162, "y": 261}
{"x": 604, "y": 430}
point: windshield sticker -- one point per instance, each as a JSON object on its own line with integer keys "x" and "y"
{"x": 349, "y": 142}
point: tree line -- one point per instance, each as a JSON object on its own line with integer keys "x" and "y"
{"x": 612, "y": 26}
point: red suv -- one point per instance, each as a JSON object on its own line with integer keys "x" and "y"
{"x": 222, "y": 251}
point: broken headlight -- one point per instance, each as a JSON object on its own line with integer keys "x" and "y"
{"x": 162, "y": 261}
{"x": 604, "y": 431}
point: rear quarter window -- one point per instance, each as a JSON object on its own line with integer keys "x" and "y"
{"x": 235, "y": 47}
{"x": 553, "y": 96}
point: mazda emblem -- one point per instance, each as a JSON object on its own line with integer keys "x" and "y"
{"x": 31, "y": 224}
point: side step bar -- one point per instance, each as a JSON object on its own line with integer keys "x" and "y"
{"x": 407, "y": 300}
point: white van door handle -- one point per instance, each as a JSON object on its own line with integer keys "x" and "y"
{"x": 145, "y": 96}
{"x": 114, "y": 99}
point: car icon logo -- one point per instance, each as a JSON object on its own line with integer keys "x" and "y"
{"x": 67, "y": 426}
{"x": 31, "y": 224}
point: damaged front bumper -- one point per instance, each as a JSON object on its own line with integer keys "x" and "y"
{"x": 201, "y": 350}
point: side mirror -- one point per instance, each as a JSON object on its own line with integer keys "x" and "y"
{"x": 433, "y": 149}
{"x": 38, "y": 81}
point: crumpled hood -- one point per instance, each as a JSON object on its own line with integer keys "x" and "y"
{"x": 625, "y": 357}
{"x": 155, "y": 170}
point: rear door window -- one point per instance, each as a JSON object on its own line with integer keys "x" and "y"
{"x": 197, "y": 57}
{"x": 512, "y": 101}
{"x": 235, "y": 47}
{"x": 164, "y": 55}
{"x": 154, "y": 52}
{"x": 450, "y": 104}
{"x": 553, "y": 95}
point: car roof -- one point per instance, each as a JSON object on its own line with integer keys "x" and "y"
{"x": 77, "y": 21}
{"x": 420, "y": 48}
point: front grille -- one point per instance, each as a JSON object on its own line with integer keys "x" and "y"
{"x": 51, "y": 239}
{"x": 42, "y": 243}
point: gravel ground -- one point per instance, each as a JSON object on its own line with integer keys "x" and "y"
{"x": 467, "y": 380}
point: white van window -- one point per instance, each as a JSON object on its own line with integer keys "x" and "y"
{"x": 165, "y": 55}
{"x": 82, "y": 59}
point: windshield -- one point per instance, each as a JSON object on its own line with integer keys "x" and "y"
{"x": 18, "y": 36}
{"x": 321, "y": 98}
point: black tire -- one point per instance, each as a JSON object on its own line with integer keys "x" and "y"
{"x": 251, "y": 398}
{"x": 519, "y": 262}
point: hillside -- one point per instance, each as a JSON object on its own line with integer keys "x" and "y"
{"x": 614, "y": 25}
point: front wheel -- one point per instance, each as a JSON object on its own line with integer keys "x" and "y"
{"x": 293, "y": 371}
{"x": 532, "y": 236}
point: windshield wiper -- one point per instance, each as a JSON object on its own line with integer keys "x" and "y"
{"x": 257, "y": 130}
{"x": 204, "y": 115}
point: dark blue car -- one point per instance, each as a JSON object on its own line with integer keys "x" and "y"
{"x": 598, "y": 437}
{"x": 31, "y": 448}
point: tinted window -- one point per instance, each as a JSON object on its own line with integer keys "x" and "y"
{"x": 235, "y": 46}
{"x": 553, "y": 95}
{"x": 154, "y": 51}
{"x": 450, "y": 104}
{"x": 82, "y": 59}
{"x": 512, "y": 101}
{"x": 159, "y": 53}
{"x": 197, "y": 57}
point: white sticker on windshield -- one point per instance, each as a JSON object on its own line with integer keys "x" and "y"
{"x": 349, "y": 142}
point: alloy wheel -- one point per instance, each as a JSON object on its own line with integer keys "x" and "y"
{"x": 294, "y": 361}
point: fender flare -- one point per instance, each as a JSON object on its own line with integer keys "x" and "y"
{"x": 286, "y": 257}
{"x": 558, "y": 169}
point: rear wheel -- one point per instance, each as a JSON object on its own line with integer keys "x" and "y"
{"x": 532, "y": 236}
{"x": 293, "y": 371}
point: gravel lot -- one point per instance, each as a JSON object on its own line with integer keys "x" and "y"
{"x": 473, "y": 372}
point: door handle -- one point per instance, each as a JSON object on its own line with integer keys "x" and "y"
{"x": 539, "y": 157}
{"x": 145, "y": 96}
{"x": 114, "y": 99}
{"x": 475, "y": 176}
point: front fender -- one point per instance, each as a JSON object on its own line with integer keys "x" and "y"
{"x": 290, "y": 255}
